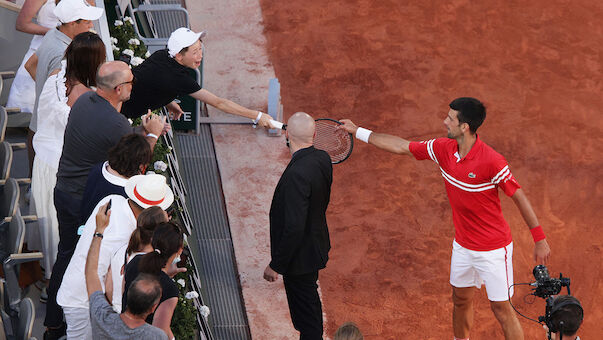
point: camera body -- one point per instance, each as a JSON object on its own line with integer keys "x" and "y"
{"x": 545, "y": 285}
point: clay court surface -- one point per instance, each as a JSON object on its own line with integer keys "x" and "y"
{"x": 393, "y": 66}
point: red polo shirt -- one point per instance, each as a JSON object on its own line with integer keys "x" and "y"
{"x": 471, "y": 185}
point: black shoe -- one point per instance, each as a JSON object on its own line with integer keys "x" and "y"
{"x": 55, "y": 333}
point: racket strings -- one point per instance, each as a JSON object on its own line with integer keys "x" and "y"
{"x": 336, "y": 142}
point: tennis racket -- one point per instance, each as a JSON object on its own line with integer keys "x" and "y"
{"x": 338, "y": 143}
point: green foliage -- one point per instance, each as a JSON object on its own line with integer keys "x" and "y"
{"x": 123, "y": 40}
{"x": 184, "y": 321}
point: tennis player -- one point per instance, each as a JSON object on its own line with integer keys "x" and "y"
{"x": 482, "y": 248}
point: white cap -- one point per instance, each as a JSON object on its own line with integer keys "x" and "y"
{"x": 181, "y": 38}
{"x": 72, "y": 10}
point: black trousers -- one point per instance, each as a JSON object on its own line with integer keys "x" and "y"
{"x": 304, "y": 305}
{"x": 68, "y": 215}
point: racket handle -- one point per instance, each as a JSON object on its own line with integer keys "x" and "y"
{"x": 276, "y": 124}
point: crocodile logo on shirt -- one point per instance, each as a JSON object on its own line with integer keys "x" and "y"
{"x": 471, "y": 175}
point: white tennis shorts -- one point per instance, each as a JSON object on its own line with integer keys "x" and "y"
{"x": 494, "y": 268}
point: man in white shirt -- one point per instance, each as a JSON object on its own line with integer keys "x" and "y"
{"x": 145, "y": 290}
{"x": 143, "y": 191}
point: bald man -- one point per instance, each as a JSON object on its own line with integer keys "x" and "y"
{"x": 94, "y": 126}
{"x": 299, "y": 237}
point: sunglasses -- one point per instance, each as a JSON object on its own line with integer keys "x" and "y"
{"x": 125, "y": 82}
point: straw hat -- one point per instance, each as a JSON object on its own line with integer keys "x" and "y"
{"x": 149, "y": 190}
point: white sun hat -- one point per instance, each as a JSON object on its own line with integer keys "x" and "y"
{"x": 72, "y": 10}
{"x": 181, "y": 38}
{"x": 149, "y": 190}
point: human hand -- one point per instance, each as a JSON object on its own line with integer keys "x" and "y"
{"x": 174, "y": 110}
{"x": 349, "y": 126}
{"x": 546, "y": 329}
{"x": 166, "y": 127}
{"x": 153, "y": 123}
{"x": 102, "y": 217}
{"x": 542, "y": 252}
{"x": 173, "y": 269}
{"x": 265, "y": 121}
{"x": 270, "y": 275}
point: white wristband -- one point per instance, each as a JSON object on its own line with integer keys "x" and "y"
{"x": 257, "y": 119}
{"x": 152, "y": 135}
{"x": 363, "y": 134}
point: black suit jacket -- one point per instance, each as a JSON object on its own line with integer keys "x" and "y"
{"x": 299, "y": 237}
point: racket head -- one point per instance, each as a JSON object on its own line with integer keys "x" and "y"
{"x": 338, "y": 143}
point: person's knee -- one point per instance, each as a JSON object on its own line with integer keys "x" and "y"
{"x": 461, "y": 298}
{"x": 502, "y": 310}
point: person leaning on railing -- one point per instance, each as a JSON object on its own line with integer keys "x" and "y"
{"x": 165, "y": 75}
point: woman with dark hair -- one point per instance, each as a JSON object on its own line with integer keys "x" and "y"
{"x": 139, "y": 244}
{"x": 146, "y": 223}
{"x": 76, "y": 76}
{"x": 129, "y": 157}
{"x": 167, "y": 246}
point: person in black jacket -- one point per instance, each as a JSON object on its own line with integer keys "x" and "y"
{"x": 299, "y": 237}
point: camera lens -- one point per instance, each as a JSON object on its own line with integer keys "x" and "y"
{"x": 541, "y": 273}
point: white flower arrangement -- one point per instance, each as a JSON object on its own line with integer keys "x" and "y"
{"x": 134, "y": 41}
{"x": 115, "y": 48}
{"x": 161, "y": 166}
{"x": 148, "y": 54}
{"x": 130, "y": 121}
{"x": 204, "y": 310}
{"x": 118, "y": 23}
{"x": 129, "y": 52}
{"x": 128, "y": 19}
{"x": 136, "y": 61}
{"x": 191, "y": 295}
{"x": 114, "y": 40}
{"x": 181, "y": 282}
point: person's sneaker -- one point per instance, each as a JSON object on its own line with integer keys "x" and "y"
{"x": 55, "y": 333}
{"x": 43, "y": 295}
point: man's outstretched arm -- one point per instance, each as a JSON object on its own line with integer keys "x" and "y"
{"x": 542, "y": 251}
{"x": 231, "y": 107}
{"x": 383, "y": 141}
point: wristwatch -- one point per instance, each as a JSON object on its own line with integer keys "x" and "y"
{"x": 97, "y": 234}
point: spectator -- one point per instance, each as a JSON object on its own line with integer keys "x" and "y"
{"x": 166, "y": 74}
{"x": 77, "y": 73}
{"x": 128, "y": 158}
{"x": 565, "y": 319}
{"x": 348, "y": 331}
{"x": 167, "y": 246}
{"x": 147, "y": 221}
{"x": 75, "y": 17}
{"x": 94, "y": 126}
{"x": 144, "y": 297}
{"x": 22, "y": 92}
{"x": 140, "y": 243}
{"x": 143, "y": 191}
